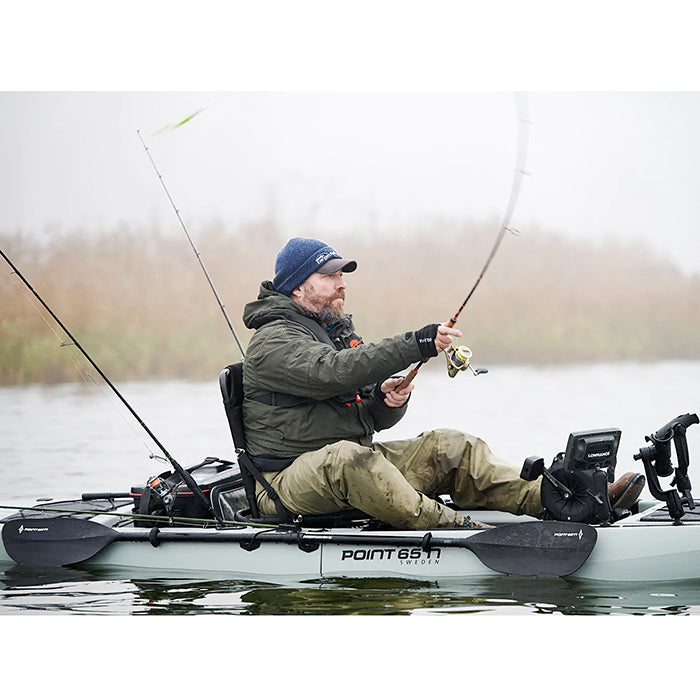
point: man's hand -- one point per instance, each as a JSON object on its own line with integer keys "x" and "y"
{"x": 393, "y": 398}
{"x": 434, "y": 338}
{"x": 444, "y": 337}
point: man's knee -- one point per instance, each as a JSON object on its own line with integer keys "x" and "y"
{"x": 346, "y": 451}
{"x": 453, "y": 445}
{"x": 349, "y": 457}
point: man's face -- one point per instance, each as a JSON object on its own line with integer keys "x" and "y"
{"x": 323, "y": 294}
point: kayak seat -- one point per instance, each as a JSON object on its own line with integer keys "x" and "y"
{"x": 231, "y": 385}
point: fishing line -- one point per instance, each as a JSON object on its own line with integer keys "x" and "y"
{"x": 520, "y": 164}
{"x": 187, "y": 478}
{"x": 189, "y": 238}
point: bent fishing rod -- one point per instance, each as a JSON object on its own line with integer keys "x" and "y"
{"x": 184, "y": 475}
{"x": 189, "y": 238}
{"x": 464, "y": 354}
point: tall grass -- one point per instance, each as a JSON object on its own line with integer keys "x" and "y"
{"x": 138, "y": 302}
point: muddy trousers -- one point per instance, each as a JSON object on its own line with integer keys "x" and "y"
{"x": 397, "y": 481}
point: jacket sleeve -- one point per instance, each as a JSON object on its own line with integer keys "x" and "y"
{"x": 287, "y": 358}
{"x": 384, "y": 416}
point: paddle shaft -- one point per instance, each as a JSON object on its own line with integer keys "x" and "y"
{"x": 295, "y": 537}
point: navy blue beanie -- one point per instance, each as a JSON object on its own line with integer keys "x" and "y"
{"x": 301, "y": 257}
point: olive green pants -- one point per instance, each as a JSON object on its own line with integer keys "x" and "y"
{"x": 397, "y": 481}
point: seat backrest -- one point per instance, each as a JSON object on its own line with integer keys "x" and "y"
{"x": 231, "y": 384}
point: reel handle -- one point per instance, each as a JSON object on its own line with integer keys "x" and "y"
{"x": 459, "y": 359}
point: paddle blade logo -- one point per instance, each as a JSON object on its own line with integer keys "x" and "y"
{"x": 22, "y": 529}
{"x": 578, "y": 534}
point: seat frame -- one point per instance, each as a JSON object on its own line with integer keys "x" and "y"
{"x": 231, "y": 385}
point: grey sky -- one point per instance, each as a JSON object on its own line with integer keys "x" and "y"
{"x": 612, "y": 163}
{"x": 600, "y": 164}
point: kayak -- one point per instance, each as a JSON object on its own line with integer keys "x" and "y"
{"x": 102, "y": 533}
{"x": 200, "y": 520}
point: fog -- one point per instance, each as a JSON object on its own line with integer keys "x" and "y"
{"x": 328, "y": 164}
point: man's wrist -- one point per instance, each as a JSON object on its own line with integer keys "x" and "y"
{"x": 425, "y": 338}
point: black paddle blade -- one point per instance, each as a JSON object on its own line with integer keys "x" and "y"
{"x": 54, "y": 541}
{"x": 538, "y": 548}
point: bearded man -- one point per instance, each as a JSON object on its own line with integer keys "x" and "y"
{"x": 316, "y": 394}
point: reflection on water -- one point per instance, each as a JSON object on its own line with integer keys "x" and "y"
{"x": 23, "y": 591}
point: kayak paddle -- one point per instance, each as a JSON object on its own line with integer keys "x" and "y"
{"x": 536, "y": 548}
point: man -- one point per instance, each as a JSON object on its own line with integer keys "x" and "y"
{"x": 315, "y": 395}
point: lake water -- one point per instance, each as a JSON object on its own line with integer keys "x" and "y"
{"x": 61, "y": 441}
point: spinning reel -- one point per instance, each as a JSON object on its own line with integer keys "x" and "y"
{"x": 459, "y": 360}
{"x": 159, "y": 486}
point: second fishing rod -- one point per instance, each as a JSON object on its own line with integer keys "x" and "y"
{"x": 183, "y": 473}
{"x": 191, "y": 242}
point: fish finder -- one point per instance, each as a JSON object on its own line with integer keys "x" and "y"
{"x": 575, "y": 487}
{"x": 593, "y": 449}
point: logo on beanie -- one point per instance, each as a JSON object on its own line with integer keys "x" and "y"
{"x": 324, "y": 257}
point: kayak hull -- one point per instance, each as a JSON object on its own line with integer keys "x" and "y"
{"x": 644, "y": 553}
{"x": 638, "y": 548}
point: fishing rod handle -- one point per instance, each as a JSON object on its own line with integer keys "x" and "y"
{"x": 409, "y": 377}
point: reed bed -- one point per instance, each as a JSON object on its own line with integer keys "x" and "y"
{"x": 138, "y": 302}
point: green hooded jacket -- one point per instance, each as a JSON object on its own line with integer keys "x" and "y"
{"x": 339, "y": 384}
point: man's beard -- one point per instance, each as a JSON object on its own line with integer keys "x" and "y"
{"x": 324, "y": 308}
{"x": 329, "y": 315}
